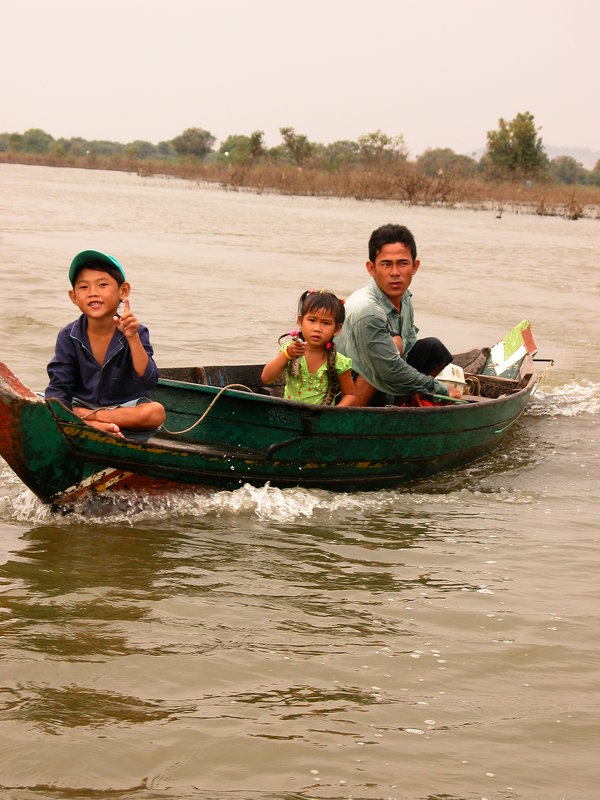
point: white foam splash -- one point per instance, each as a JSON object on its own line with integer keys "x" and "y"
{"x": 267, "y": 503}
{"x": 569, "y": 400}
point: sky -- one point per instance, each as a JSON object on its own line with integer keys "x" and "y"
{"x": 440, "y": 73}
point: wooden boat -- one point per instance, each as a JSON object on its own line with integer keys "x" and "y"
{"x": 225, "y": 429}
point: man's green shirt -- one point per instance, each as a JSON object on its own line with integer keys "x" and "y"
{"x": 366, "y": 338}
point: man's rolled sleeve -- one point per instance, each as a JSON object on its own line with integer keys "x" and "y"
{"x": 383, "y": 367}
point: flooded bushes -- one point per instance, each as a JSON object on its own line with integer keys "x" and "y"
{"x": 376, "y": 167}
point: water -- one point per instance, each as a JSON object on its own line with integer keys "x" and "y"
{"x": 436, "y": 642}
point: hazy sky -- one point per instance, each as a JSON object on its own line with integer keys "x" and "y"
{"x": 439, "y": 72}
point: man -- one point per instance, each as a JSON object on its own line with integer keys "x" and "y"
{"x": 379, "y": 333}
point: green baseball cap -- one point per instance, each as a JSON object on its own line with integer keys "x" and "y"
{"x": 93, "y": 257}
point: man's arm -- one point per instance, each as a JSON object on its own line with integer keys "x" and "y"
{"x": 381, "y": 363}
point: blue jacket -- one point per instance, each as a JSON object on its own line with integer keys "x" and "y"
{"x": 74, "y": 371}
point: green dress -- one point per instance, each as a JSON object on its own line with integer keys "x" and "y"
{"x": 308, "y": 387}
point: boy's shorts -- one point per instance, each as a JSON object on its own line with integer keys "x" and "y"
{"x": 94, "y": 406}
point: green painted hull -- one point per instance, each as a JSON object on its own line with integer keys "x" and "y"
{"x": 250, "y": 437}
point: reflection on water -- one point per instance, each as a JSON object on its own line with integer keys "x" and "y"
{"x": 80, "y": 592}
{"x": 434, "y": 641}
{"x": 53, "y": 709}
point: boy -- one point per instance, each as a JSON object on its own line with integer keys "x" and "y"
{"x": 102, "y": 366}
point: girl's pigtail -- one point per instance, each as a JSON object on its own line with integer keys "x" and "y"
{"x": 334, "y": 384}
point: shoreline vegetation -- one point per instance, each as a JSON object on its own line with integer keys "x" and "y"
{"x": 514, "y": 175}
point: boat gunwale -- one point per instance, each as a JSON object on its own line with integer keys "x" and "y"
{"x": 529, "y": 380}
{"x": 111, "y": 451}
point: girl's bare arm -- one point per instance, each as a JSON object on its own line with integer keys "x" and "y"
{"x": 347, "y": 387}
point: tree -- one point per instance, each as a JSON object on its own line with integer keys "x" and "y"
{"x": 341, "y": 153}
{"x": 59, "y": 148}
{"x": 15, "y": 141}
{"x": 235, "y": 149}
{"x": 516, "y": 147}
{"x": 164, "y": 149}
{"x": 76, "y": 146}
{"x": 194, "y": 142}
{"x": 380, "y": 149}
{"x": 141, "y": 149}
{"x": 593, "y": 177}
{"x": 103, "y": 147}
{"x": 35, "y": 140}
{"x": 238, "y": 149}
{"x": 296, "y": 145}
{"x": 444, "y": 160}
{"x": 567, "y": 169}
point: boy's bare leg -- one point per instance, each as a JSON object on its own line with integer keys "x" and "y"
{"x": 84, "y": 413}
{"x": 143, "y": 417}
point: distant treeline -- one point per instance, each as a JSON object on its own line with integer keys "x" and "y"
{"x": 372, "y": 167}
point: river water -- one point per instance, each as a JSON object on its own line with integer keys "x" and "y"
{"x": 436, "y": 641}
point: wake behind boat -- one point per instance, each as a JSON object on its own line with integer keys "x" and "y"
{"x": 224, "y": 429}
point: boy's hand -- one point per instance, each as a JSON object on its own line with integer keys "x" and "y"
{"x": 127, "y": 323}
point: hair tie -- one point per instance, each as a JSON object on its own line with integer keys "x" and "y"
{"x": 328, "y": 346}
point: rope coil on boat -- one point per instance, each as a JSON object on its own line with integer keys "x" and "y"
{"x": 212, "y": 403}
{"x": 472, "y": 385}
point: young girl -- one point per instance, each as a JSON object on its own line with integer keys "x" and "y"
{"x": 315, "y": 371}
